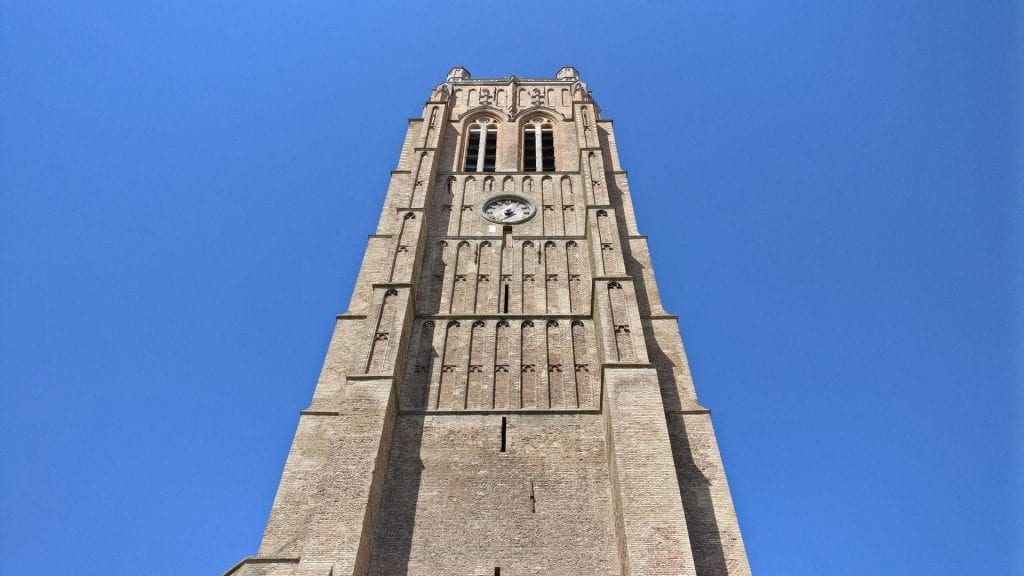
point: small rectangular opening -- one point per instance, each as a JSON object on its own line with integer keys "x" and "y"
{"x": 497, "y": 571}
{"x": 504, "y": 427}
{"x": 533, "y": 499}
{"x": 504, "y": 307}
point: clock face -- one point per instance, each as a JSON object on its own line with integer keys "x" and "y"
{"x": 507, "y": 210}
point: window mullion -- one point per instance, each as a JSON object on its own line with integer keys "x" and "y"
{"x": 538, "y": 152}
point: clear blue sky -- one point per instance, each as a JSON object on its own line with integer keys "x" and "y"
{"x": 832, "y": 193}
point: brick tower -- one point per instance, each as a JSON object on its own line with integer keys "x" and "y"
{"x": 505, "y": 395}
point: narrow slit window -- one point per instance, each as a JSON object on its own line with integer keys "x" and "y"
{"x": 504, "y": 307}
{"x": 504, "y": 432}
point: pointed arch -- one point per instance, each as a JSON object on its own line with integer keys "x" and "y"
{"x": 419, "y": 179}
{"x": 476, "y": 381}
{"x": 529, "y": 282}
{"x": 487, "y": 279}
{"x": 401, "y": 265}
{"x": 461, "y": 292}
{"x": 377, "y": 358}
{"x": 441, "y": 280}
{"x": 609, "y": 238}
{"x": 557, "y": 392}
{"x": 531, "y": 348}
{"x": 574, "y": 276}
{"x": 417, "y": 380}
{"x": 618, "y": 304}
{"x": 502, "y": 365}
{"x": 448, "y": 390}
{"x": 538, "y": 144}
{"x": 581, "y": 359}
{"x": 596, "y": 175}
{"x": 554, "y": 279}
{"x": 547, "y": 112}
{"x": 569, "y": 220}
{"x": 480, "y": 142}
{"x": 551, "y": 220}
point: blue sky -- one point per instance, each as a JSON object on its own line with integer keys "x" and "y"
{"x": 832, "y": 193}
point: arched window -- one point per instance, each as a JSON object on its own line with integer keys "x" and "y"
{"x": 538, "y": 146}
{"x": 481, "y": 146}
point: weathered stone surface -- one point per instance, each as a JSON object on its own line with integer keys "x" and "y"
{"x": 454, "y": 503}
{"x": 501, "y": 396}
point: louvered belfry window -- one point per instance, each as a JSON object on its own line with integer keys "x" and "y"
{"x": 538, "y": 147}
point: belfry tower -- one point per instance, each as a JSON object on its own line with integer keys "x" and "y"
{"x": 505, "y": 394}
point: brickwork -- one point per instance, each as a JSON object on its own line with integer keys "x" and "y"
{"x": 454, "y": 503}
{"x": 501, "y": 396}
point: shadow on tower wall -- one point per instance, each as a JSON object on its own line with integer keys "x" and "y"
{"x": 698, "y": 503}
{"x": 694, "y": 486}
{"x": 396, "y": 521}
